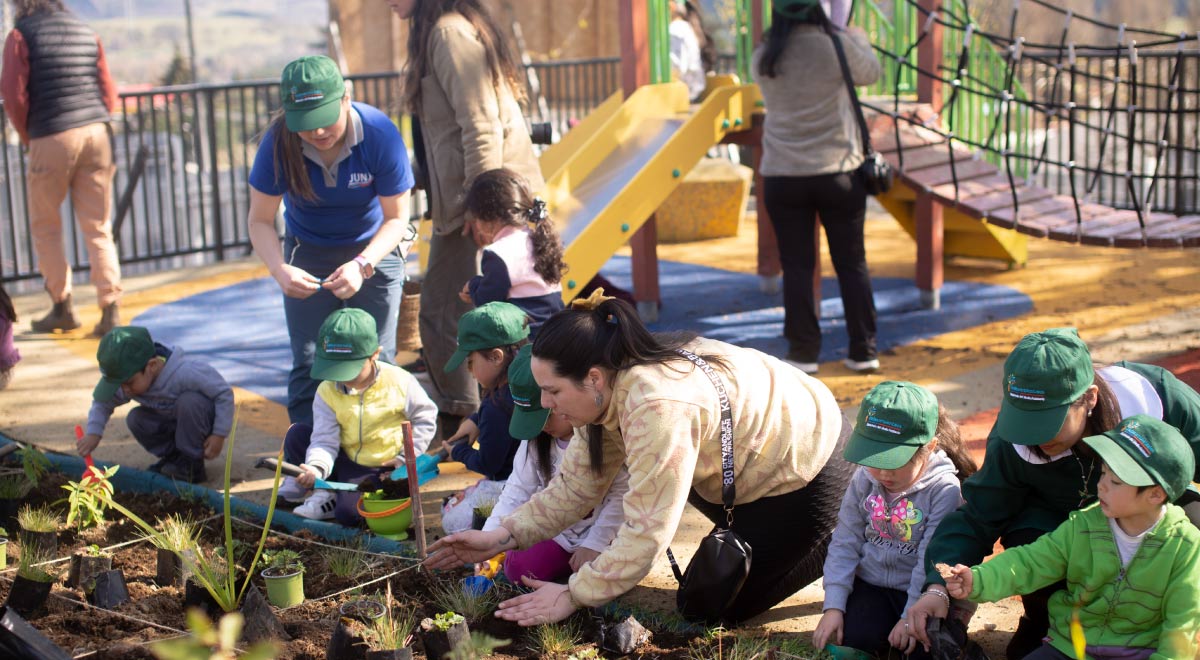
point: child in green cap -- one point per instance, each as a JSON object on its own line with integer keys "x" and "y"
{"x": 358, "y": 412}
{"x": 186, "y": 408}
{"x": 546, "y": 438}
{"x": 912, "y": 460}
{"x": 1131, "y": 562}
{"x": 489, "y": 337}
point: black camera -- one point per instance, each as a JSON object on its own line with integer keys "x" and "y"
{"x": 541, "y": 132}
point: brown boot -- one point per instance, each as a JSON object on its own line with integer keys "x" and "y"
{"x": 61, "y": 317}
{"x": 110, "y": 317}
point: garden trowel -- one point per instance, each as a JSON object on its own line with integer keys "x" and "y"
{"x": 427, "y": 468}
{"x": 294, "y": 471}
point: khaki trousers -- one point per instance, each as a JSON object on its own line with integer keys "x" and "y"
{"x": 80, "y": 160}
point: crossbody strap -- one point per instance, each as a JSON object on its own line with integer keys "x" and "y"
{"x": 727, "y": 489}
{"x": 858, "y": 113}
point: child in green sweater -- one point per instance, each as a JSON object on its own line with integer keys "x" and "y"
{"x": 1131, "y": 561}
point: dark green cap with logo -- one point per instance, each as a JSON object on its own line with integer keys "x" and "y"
{"x": 1043, "y": 376}
{"x": 312, "y": 89}
{"x": 529, "y": 417}
{"x": 1144, "y": 451}
{"x": 895, "y": 419}
{"x": 493, "y": 325}
{"x": 123, "y": 352}
{"x": 796, "y": 9}
{"x": 346, "y": 339}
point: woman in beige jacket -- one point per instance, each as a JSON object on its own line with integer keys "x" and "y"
{"x": 636, "y": 401}
{"x": 462, "y": 82}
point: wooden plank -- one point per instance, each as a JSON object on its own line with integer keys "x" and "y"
{"x": 1004, "y": 216}
{"x": 910, "y": 138}
{"x": 1066, "y": 226}
{"x": 1108, "y": 231}
{"x": 1171, "y": 231}
{"x": 923, "y": 157}
{"x": 936, "y": 176}
{"x": 970, "y": 188}
{"x": 998, "y": 199}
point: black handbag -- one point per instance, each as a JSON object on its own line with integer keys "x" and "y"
{"x": 719, "y": 568}
{"x": 875, "y": 173}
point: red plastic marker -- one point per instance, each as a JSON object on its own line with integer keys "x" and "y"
{"x": 87, "y": 460}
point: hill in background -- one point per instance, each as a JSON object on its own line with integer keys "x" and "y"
{"x": 235, "y": 40}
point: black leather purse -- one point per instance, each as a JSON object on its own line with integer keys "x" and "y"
{"x": 875, "y": 172}
{"x": 718, "y": 570}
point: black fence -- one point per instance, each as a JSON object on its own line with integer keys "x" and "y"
{"x": 189, "y": 202}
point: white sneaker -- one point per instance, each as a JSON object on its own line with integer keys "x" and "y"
{"x": 292, "y": 492}
{"x": 809, "y": 368}
{"x": 862, "y": 367}
{"x": 770, "y": 284}
{"x": 318, "y": 506}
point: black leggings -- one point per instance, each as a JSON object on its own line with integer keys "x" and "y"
{"x": 871, "y": 613}
{"x": 788, "y": 534}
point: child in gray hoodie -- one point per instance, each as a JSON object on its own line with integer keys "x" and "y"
{"x": 186, "y": 408}
{"x": 912, "y": 461}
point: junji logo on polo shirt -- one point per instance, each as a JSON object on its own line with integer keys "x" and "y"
{"x": 1135, "y": 438}
{"x": 360, "y": 180}
{"x": 331, "y": 347}
{"x": 895, "y": 428}
{"x": 305, "y": 97}
{"x": 1024, "y": 392}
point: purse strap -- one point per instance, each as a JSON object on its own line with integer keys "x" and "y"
{"x": 858, "y": 112}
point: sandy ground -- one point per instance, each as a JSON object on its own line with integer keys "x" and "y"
{"x": 1128, "y": 304}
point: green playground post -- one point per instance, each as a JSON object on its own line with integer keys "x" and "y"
{"x": 659, "y": 15}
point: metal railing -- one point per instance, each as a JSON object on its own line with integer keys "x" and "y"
{"x": 189, "y": 205}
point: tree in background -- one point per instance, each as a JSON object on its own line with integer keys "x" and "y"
{"x": 179, "y": 71}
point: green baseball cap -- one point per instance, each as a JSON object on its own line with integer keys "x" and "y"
{"x": 797, "y": 9}
{"x": 346, "y": 339}
{"x": 528, "y": 416}
{"x": 123, "y": 352}
{"x": 1043, "y": 376}
{"x": 493, "y": 325}
{"x": 312, "y": 89}
{"x": 894, "y": 421}
{"x": 1144, "y": 451}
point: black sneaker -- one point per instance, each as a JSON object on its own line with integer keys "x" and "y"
{"x": 184, "y": 470}
{"x": 156, "y": 466}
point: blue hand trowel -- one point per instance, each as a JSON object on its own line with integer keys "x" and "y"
{"x": 294, "y": 471}
{"x": 427, "y": 468}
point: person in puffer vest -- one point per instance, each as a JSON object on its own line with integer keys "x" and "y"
{"x": 58, "y": 95}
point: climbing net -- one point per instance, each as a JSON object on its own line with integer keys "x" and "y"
{"x": 1115, "y": 123}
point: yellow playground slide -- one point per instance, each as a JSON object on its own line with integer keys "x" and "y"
{"x": 607, "y": 175}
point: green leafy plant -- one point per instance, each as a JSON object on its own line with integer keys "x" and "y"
{"x": 94, "y": 550}
{"x": 206, "y": 642}
{"x": 34, "y": 566}
{"x": 449, "y": 595}
{"x": 447, "y": 620}
{"x": 38, "y": 519}
{"x": 175, "y": 533}
{"x": 477, "y": 647}
{"x": 87, "y": 498}
{"x": 283, "y": 561}
{"x": 345, "y": 561}
{"x": 14, "y": 487}
{"x": 554, "y": 640}
{"x": 215, "y": 573}
{"x": 33, "y": 462}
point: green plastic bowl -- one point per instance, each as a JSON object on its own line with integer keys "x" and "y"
{"x": 387, "y": 518}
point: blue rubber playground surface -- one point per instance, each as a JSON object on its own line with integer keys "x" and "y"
{"x": 249, "y": 345}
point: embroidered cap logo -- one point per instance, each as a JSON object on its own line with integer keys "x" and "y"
{"x": 1137, "y": 439}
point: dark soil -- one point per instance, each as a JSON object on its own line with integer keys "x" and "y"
{"x": 82, "y": 630}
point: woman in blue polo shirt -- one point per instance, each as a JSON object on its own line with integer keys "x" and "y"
{"x": 342, "y": 170}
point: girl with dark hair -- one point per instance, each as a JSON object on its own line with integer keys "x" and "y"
{"x": 912, "y": 461}
{"x": 463, "y": 83}
{"x": 343, "y": 169}
{"x": 1036, "y": 471}
{"x": 488, "y": 340}
{"x": 546, "y": 439}
{"x": 643, "y": 402}
{"x": 9, "y": 355}
{"x": 811, "y": 149}
{"x": 522, "y": 254}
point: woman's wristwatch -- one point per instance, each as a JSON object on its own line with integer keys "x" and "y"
{"x": 364, "y": 266}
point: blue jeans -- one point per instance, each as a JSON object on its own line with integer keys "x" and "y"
{"x": 379, "y": 297}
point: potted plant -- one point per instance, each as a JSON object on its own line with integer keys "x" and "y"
{"x": 482, "y": 512}
{"x": 175, "y": 536}
{"x": 87, "y": 498}
{"x": 13, "y": 489}
{"x": 31, "y": 586}
{"x": 86, "y": 564}
{"x": 388, "y": 637}
{"x": 3, "y": 548}
{"x": 284, "y": 576}
{"x": 39, "y": 529}
{"x": 443, "y": 633}
{"x": 347, "y": 641}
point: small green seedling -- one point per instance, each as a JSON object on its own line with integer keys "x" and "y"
{"x": 175, "y": 533}
{"x": 94, "y": 550}
{"x": 447, "y": 620}
{"x": 38, "y": 519}
{"x": 449, "y": 595}
{"x": 347, "y": 560}
{"x": 87, "y": 498}
{"x": 34, "y": 567}
{"x": 554, "y": 640}
{"x": 283, "y": 561}
{"x": 34, "y": 463}
{"x": 478, "y": 647}
{"x": 206, "y": 642}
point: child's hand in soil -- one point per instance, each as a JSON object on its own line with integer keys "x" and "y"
{"x": 549, "y": 602}
{"x": 581, "y": 557}
{"x": 309, "y": 478}
{"x": 900, "y": 638}
{"x": 87, "y": 444}
{"x": 829, "y": 629}
{"x": 960, "y": 582}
